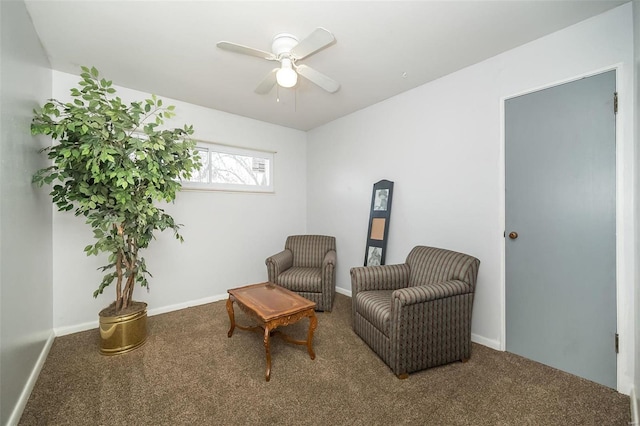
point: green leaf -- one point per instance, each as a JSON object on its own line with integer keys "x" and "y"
{"x": 101, "y": 172}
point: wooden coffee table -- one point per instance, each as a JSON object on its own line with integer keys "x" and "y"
{"x": 272, "y": 306}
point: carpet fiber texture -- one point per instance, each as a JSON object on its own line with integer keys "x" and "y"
{"x": 189, "y": 372}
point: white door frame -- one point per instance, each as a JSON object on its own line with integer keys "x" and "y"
{"x": 625, "y": 224}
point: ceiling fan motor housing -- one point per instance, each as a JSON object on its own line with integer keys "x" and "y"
{"x": 282, "y": 44}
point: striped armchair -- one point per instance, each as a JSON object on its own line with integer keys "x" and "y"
{"x": 307, "y": 265}
{"x": 416, "y": 315}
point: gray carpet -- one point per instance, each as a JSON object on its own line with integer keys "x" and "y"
{"x": 190, "y": 373}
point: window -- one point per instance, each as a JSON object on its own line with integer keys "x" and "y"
{"x": 232, "y": 169}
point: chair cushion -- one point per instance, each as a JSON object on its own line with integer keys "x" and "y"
{"x": 375, "y": 307}
{"x": 301, "y": 279}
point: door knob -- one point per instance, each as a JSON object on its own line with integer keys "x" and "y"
{"x": 513, "y": 235}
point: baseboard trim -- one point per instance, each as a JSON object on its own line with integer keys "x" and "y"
{"x": 31, "y": 382}
{"x": 63, "y": 331}
{"x": 633, "y": 400}
{"x": 185, "y": 305}
{"x": 493, "y": 344}
{"x": 343, "y": 291}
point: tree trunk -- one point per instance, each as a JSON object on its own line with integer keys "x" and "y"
{"x": 128, "y": 290}
{"x": 119, "y": 282}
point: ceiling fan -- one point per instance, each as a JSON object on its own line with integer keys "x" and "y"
{"x": 287, "y": 50}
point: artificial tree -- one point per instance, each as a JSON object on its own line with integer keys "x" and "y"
{"x": 114, "y": 163}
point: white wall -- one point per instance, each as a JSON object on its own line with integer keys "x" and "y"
{"x": 26, "y": 328}
{"x": 442, "y": 145}
{"x": 227, "y": 235}
{"x": 635, "y": 395}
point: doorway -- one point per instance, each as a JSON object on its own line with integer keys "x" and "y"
{"x": 560, "y": 218}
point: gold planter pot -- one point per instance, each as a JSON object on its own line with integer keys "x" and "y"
{"x": 123, "y": 333}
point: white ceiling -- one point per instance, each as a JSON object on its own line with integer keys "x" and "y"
{"x": 169, "y": 47}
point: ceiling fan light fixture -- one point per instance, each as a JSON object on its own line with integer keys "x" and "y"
{"x": 286, "y": 75}
{"x": 288, "y": 51}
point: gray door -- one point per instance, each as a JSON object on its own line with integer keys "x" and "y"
{"x": 560, "y": 201}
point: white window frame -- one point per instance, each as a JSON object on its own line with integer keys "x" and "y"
{"x": 233, "y": 187}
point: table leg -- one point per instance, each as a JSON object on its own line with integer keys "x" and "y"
{"x": 267, "y": 333}
{"x": 231, "y": 316}
{"x": 313, "y": 323}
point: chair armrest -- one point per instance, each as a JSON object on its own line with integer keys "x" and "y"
{"x": 442, "y": 314}
{"x": 429, "y": 292}
{"x": 329, "y": 259}
{"x": 278, "y": 263}
{"x": 383, "y": 277}
{"x": 329, "y": 271}
{"x": 329, "y": 279}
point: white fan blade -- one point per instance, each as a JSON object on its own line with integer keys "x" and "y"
{"x": 328, "y": 84}
{"x": 238, "y": 48}
{"x": 267, "y": 83}
{"x": 318, "y": 39}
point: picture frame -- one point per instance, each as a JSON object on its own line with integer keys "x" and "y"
{"x": 374, "y": 256}
{"x": 381, "y": 197}
{"x": 380, "y": 214}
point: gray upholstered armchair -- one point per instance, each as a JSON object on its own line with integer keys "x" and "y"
{"x": 307, "y": 265}
{"x": 417, "y": 314}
